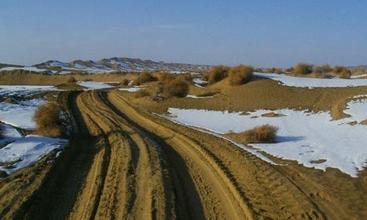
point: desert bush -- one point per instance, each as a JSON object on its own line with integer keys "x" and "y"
{"x": 342, "y": 72}
{"x": 240, "y": 74}
{"x": 125, "y": 82}
{"x": 185, "y": 76}
{"x": 176, "y": 87}
{"x": 165, "y": 77}
{"x": 71, "y": 79}
{"x": 217, "y": 73}
{"x": 302, "y": 69}
{"x": 261, "y": 134}
{"x": 345, "y": 74}
{"x": 145, "y": 77}
{"x": 48, "y": 120}
{"x": 141, "y": 94}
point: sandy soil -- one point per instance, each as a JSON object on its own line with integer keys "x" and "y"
{"x": 124, "y": 163}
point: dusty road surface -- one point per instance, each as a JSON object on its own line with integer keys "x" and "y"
{"x": 126, "y": 164}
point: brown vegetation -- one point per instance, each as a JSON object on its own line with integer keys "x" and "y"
{"x": 141, "y": 93}
{"x": 261, "y": 134}
{"x": 49, "y": 121}
{"x": 217, "y": 73}
{"x": 144, "y": 78}
{"x": 71, "y": 79}
{"x": 176, "y": 87}
{"x": 302, "y": 69}
{"x": 240, "y": 74}
{"x": 125, "y": 82}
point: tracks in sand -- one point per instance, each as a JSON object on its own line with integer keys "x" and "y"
{"x": 124, "y": 164}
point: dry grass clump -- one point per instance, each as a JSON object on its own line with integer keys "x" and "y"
{"x": 141, "y": 94}
{"x": 217, "y": 73}
{"x": 240, "y": 74}
{"x": 186, "y": 76}
{"x": 175, "y": 88}
{"x": 125, "y": 82}
{"x": 342, "y": 72}
{"x": 165, "y": 77}
{"x": 145, "y": 77}
{"x": 302, "y": 69}
{"x": 49, "y": 121}
{"x": 71, "y": 80}
{"x": 261, "y": 134}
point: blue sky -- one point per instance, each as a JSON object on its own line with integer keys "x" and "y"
{"x": 261, "y": 32}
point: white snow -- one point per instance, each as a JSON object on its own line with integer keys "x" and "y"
{"x": 24, "y": 151}
{"x": 302, "y": 136}
{"x": 23, "y": 90}
{"x": 131, "y": 89}
{"x": 313, "y": 82}
{"x": 357, "y": 109}
{"x": 358, "y": 76}
{"x": 26, "y": 68}
{"x": 94, "y": 85}
{"x": 20, "y": 114}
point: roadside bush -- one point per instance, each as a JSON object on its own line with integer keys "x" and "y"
{"x": 141, "y": 94}
{"x": 48, "y": 120}
{"x": 145, "y": 77}
{"x": 261, "y": 134}
{"x": 240, "y": 74}
{"x": 302, "y": 69}
{"x": 71, "y": 80}
{"x": 176, "y": 87}
{"x": 342, "y": 72}
{"x": 345, "y": 74}
{"x": 125, "y": 82}
{"x": 217, "y": 73}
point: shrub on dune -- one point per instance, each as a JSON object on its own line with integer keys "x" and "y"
{"x": 176, "y": 88}
{"x": 261, "y": 134}
{"x": 125, "y": 82}
{"x": 217, "y": 73}
{"x": 48, "y": 120}
{"x": 145, "y": 77}
{"x": 342, "y": 72}
{"x": 71, "y": 79}
{"x": 302, "y": 69}
{"x": 240, "y": 74}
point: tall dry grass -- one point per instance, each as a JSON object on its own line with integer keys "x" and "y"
{"x": 217, "y": 73}
{"x": 48, "y": 120}
{"x": 240, "y": 74}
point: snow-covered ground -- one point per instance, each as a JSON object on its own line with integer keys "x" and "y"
{"x": 359, "y": 76}
{"x": 20, "y": 152}
{"x": 26, "y": 68}
{"x": 313, "y": 82}
{"x": 312, "y": 139}
{"x": 199, "y": 82}
{"x": 23, "y": 90}
{"x": 20, "y": 114}
{"x": 131, "y": 89}
{"x": 94, "y": 85}
{"x": 357, "y": 108}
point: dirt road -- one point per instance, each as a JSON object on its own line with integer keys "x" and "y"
{"x": 126, "y": 164}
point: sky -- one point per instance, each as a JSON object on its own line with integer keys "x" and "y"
{"x": 260, "y": 33}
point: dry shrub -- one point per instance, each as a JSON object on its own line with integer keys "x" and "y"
{"x": 302, "y": 69}
{"x": 261, "y": 134}
{"x": 240, "y": 74}
{"x": 49, "y": 121}
{"x": 125, "y": 82}
{"x": 71, "y": 79}
{"x": 165, "y": 77}
{"x": 141, "y": 94}
{"x": 217, "y": 73}
{"x": 176, "y": 87}
{"x": 342, "y": 72}
{"x": 185, "y": 76}
{"x": 145, "y": 77}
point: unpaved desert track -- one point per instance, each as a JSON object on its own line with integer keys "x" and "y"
{"x": 126, "y": 164}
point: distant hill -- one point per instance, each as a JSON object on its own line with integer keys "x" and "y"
{"x": 117, "y": 64}
{"x": 4, "y": 65}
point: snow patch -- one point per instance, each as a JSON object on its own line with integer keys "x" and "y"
{"x": 132, "y": 89}
{"x": 94, "y": 85}
{"x": 312, "y": 82}
{"x": 303, "y": 136}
